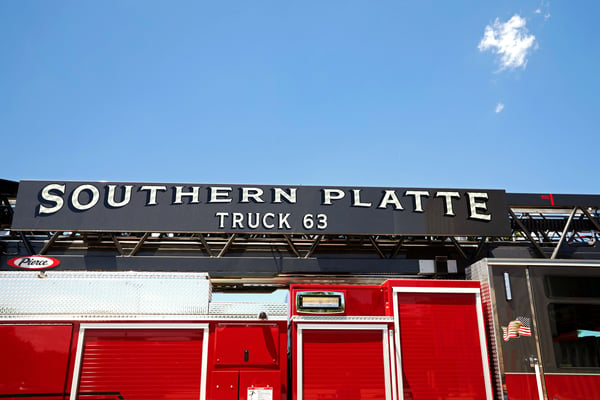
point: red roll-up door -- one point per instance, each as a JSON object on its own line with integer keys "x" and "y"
{"x": 441, "y": 347}
{"x": 141, "y": 364}
{"x": 343, "y": 364}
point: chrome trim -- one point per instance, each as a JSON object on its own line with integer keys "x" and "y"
{"x": 480, "y": 323}
{"x": 324, "y": 310}
{"x": 507, "y": 287}
{"x": 340, "y": 318}
{"x": 538, "y": 366}
{"x": 386, "y": 347}
{"x": 535, "y": 262}
{"x": 81, "y": 337}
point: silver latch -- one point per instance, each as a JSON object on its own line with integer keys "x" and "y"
{"x": 533, "y": 361}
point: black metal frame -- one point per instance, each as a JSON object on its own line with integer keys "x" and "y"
{"x": 542, "y": 226}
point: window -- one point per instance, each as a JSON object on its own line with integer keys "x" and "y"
{"x": 575, "y": 334}
{"x": 572, "y": 286}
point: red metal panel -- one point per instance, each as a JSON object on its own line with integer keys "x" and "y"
{"x": 246, "y": 344}
{"x": 415, "y": 283}
{"x": 34, "y": 359}
{"x": 364, "y": 300}
{"x": 37, "y": 396}
{"x": 521, "y": 386}
{"x": 142, "y": 364}
{"x": 224, "y": 385}
{"x": 260, "y": 379}
{"x": 572, "y": 387}
{"x": 440, "y": 344}
{"x": 343, "y": 364}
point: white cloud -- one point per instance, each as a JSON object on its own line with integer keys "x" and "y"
{"x": 499, "y": 107}
{"x": 544, "y": 9}
{"x": 510, "y": 40}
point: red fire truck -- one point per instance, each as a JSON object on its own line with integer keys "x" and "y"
{"x": 502, "y": 304}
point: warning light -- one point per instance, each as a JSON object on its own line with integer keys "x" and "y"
{"x": 320, "y": 302}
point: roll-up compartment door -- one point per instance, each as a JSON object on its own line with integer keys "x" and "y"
{"x": 141, "y": 362}
{"x": 442, "y": 347}
{"x": 348, "y": 362}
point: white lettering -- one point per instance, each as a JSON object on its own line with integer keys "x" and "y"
{"x": 390, "y": 197}
{"x": 356, "y": 202}
{"x": 152, "y": 193}
{"x": 57, "y": 200}
{"x": 283, "y": 221}
{"x": 94, "y": 193}
{"x": 252, "y": 193}
{"x": 322, "y": 221}
{"x": 264, "y": 220}
{"x": 253, "y": 224}
{"x": 255, "y": 220}
{"x": 475, "y": 206}
{"x": 237, "y": 220}
{"x": 194, "y": 194}
{"x": 221, "y": 216}
{"x": 219, "y": 194}
{"x": 111, "y": 196}
{"x": 278, "y": 193}
{"x": 332, "y": 194}
{"x": 418, "y": 195}
{"x": 308, "y": 221}
{"x": 448, "y": 203}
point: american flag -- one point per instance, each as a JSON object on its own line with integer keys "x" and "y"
{"x": 519, "y": 327}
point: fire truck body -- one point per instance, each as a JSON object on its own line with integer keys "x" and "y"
{"x": 543, "y": 320}
{"x": 405, "y": 339}
{"x": 106, "y": 293}
{"x": 95, "y": 335}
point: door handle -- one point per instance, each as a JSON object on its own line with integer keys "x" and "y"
{"x": 533, "y": 361}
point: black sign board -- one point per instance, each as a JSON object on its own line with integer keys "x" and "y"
{"x": 167, "y": 207}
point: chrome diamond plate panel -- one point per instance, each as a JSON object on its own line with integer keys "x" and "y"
{"x": 248, "y": 309}
{"x": 92, "y": 294}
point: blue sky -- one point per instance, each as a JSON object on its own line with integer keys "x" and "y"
{"x": 461, "y": 94}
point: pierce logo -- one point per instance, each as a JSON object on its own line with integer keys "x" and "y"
{"x": 33, "y": 262}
